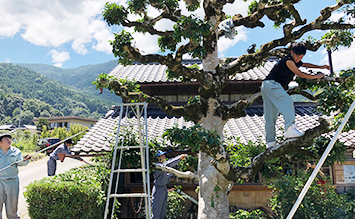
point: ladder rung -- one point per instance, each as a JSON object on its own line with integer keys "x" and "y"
{"x": 128, "y": 147}
{"x": 129, "y": 170}
{"x": 132, "y": 195}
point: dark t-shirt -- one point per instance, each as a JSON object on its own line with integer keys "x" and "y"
{"x": 281, "y": 73}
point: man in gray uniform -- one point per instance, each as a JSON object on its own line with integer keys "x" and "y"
{"x": 161, "y": 178}
{"x": 9, "y": 181}
{"x": 53, "y": 157}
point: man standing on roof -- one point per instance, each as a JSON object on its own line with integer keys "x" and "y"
{"x": 161, "y": 179}
{"x": 275, "y": 97}
{"x": 53, "y": 157}
{"x": 9, "y": 181}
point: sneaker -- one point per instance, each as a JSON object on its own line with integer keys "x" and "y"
{"x": 270, "y": 144}
{"x": 293, "y": 132}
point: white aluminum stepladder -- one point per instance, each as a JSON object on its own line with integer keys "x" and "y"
{"x": 139, "y": 110}
{"x": 321, "y": 161}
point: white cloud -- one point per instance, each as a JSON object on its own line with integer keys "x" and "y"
{"x": 342, "y": 59}
{"x": 56, "y": 23}
{"x": 224, "y": 44}
{"x": 59, "y": 57}
{"x": 148, "y": 43}
{"x": 8, "y": 60}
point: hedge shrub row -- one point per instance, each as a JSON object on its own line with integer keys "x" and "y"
{"x": 78, "y": 193}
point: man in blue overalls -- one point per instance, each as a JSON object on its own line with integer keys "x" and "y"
{"x": 53, "y": 157}
{"x": 9, "y": 181}
{"x": 161, "y": 178}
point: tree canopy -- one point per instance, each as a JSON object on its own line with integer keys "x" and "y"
{"x": 197, "y": 37}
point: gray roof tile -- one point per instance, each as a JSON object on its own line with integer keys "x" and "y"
{"x": 248, "y": 128}
{"x": 156, "y": 73}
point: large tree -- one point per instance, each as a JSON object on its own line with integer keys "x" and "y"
{"x": 197, "y": 37}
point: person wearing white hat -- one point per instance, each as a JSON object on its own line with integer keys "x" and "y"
{"x": 9, "y": 181}
{"x": 161, "y": 179}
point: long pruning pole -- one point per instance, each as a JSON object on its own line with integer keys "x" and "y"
{"x": 321, "y": 161}
{"x": 44, "y": 149}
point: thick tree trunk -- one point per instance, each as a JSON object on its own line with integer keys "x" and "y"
{"x": 213, "y": 201}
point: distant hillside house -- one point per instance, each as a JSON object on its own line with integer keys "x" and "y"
{"x": 7, "y": 127}
{"x": 66, "y": 121}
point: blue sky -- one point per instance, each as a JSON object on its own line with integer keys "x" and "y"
{"x": 69, "y": 34}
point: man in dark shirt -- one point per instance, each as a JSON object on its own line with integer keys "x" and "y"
{"x": 275, "y": 97}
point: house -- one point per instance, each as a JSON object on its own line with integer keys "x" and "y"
{"x": 31, "y": 128}
{"x": 7, "y": 127}
{"x": 152, "y": 78}
{"x": 66, "y": 121}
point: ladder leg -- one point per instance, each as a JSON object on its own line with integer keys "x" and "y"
{"x": 137, "y": 109}
{"x": 113, "y": 166}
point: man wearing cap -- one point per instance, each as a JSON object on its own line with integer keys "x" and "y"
{"x": 9, "y": 181}
{"x": 53, "y": 157}
{"x": 161, "y": 178}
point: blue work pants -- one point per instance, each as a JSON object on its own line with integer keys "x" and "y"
{"x": 159, "y": 202}
{"x": 51, "y": 167}
{"x": 9, "y": 191}
{"x": 275, "y": 101}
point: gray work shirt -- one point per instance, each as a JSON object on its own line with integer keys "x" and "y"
{"x": 12, "y": 155}
{"x": 59, "y": 150}
{"x": 161, "y": 178}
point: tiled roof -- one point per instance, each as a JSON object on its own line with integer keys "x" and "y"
{"x": 156, "y": 73}
{"x": 248, "y": 128}
{"x": 61, "y": 118}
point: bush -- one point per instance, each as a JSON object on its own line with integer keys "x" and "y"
{"x": 175, "y": 205}
{"x": 78, "y": 193}
{"x": 321, "y": 201}
{"x": 25, "y": 141}
{"x": 242, "y": 214}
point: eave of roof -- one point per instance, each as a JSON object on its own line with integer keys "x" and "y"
{"x": 248, "y": 128}
{"x": 61, "y": 118}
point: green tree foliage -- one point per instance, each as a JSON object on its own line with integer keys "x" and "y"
{"x": 131, "y": 158}
{"x": 40, "y": 96}
{"x": 198, "y": 37}
{"x": 321, "y": 200}
{"x": 25, "y": 141}
{"x": 42, "y": 122}
{"x": 78, "y": 193}
{"x": 62, "y": 132}
{"x": 79, "y": 78}
{"x": 243, "y": 214}
{"x": 175, "y": 205}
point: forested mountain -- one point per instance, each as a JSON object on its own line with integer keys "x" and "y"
{"x": 81, "y": 77}
{"x": 43, "y": 96}
{"x": 30, "y": 108}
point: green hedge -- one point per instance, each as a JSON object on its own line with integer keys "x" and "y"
{"x": 78, "y": 193}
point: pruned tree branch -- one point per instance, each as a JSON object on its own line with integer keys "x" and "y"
{"x": 288, "y": 147}
{"x": 180, "y": 174}
{"x": 178, "y": 111}
{"x": 247, "y": 61}
{"x": 236, "y": 110}
{"x": 147, "y": 27}
{"x": 173, "y": 64}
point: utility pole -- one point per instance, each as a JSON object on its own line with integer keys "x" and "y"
{"x": 19, "y": 119}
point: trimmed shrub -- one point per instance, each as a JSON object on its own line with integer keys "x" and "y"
{"x": 243, "y": 214}
{"x": 321, "y": 200}
{"x": 78, "y": 193}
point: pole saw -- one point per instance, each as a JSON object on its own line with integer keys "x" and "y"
{"x": 44, "y": 149}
